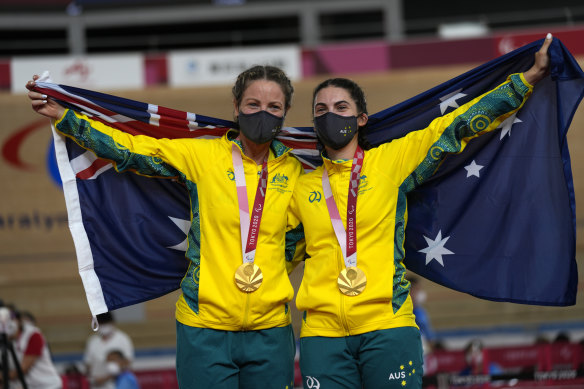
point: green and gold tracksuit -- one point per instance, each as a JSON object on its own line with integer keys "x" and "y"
{"x": 210, "y": 298}
{"x": 389, "y": 172}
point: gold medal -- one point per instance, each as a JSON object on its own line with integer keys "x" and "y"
{"x": 352, "y": 281}
{"x": 248, "y": 277}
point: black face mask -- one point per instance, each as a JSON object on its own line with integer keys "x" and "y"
{"x": 260, "y": 127}
{"x": 335, "y": 131}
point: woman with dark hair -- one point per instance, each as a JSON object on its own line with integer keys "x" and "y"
{"x": 233, "y": 321}
{"x": 358, "y": 327}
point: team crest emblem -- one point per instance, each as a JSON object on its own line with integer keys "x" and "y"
{"x": 280, "y": 180}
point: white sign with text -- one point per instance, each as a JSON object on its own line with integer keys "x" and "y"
{"x": 217, "y": 67}
{"x": 98, "y": 72}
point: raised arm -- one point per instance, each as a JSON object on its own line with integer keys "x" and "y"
{"x": 138, "y": 153}
{"x": 541, "y": 67}
{"x": 420, "y": 152}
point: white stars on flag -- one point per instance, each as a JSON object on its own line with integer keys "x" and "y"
{"x": 473, "y": 169}
{"x": 436, "y": 249}
{"x": 450, "y": 100}
{"x": 184, "y": 226}
{"x": 507, "y": 124}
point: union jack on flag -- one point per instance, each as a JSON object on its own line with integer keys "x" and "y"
{"x": 496, "y": 221}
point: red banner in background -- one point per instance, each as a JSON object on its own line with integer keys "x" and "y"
{"x": 4, "y": 74}
{"x": 364, "y": 57}
{"x": 383, "y": 56}
{"x": 572, "y": 38}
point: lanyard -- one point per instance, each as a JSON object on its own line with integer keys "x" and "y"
{"x": 347, "y": 239}
{"x": 249, "y": 231}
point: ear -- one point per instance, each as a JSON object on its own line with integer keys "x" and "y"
{"x": 362, "y": 119}
{"x": 235, "y": 109}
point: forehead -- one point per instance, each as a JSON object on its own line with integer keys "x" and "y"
{"x": 264, "y": 89}
{"x": 332, "y": 95}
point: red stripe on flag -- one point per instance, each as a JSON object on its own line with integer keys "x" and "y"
{"x": 91, "y": 170}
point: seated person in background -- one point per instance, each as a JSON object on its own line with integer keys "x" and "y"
{"x": 108, "y": 338}
{"x": 118, "y": 367}
{"x": 475, "y": 361}
{"x": 419, "y": 296}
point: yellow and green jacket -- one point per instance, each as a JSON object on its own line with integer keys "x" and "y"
{"x": 210, "y": 298}
{"x": 389, "y": 172}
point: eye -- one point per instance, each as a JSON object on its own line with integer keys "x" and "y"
{"x": 274, "y": 107}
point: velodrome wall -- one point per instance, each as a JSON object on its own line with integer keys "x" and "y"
{"x": 38, "y": 270}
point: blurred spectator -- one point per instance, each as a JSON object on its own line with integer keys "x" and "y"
{"x": 31, "y": 351}
{"x": 118, "y": 367}
{"x": 562, "y": 337}
{"x": 581, "y": 343}
{"x": 476, "y": 363}
{"x": 107, "y": 339}
{"x": 563, "y": 354}
{"x": 419, "y": 297}
{"x": 541, "y": 339}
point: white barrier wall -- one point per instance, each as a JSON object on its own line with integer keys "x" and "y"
{"x": 97, "y": 72}
{"x": 216, "y": 67}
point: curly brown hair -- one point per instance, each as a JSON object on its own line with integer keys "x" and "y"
{"x": 265, "y": 72}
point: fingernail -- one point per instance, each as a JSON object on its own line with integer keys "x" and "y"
{"x": 44, "y": 96}
{"x": 549, "y": 35}
{"x": 44, "y": 101}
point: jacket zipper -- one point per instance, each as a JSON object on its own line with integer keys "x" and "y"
{"x": 244, "y": 325}
{"x": 343, "y": 298}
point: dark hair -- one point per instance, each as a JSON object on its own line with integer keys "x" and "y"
{"x": 266, "y": 72}
{"x": 28, "y": 315}
{"x": 358, "y": 96}
{"x": 118, "y": 353}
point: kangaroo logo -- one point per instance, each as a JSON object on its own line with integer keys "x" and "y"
{"x": 312, "y": 383}
{"x": 315, "y": 196}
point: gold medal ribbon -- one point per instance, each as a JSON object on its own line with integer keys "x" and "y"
{"x": 351, "y": 280}
{"x": 248, "y": 276}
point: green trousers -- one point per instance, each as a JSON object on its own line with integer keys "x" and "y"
{"x": 207, "y": 358}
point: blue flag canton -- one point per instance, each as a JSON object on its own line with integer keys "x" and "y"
{"x": 138, "y": 239}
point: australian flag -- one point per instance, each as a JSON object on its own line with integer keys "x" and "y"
{"x": 496, "y": 221}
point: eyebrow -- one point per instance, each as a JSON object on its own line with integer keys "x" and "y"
{"x": 256, "y": 100}
{"x": 335, "y": 103}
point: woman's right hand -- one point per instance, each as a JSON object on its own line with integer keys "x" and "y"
{"x": 41, "y": 104}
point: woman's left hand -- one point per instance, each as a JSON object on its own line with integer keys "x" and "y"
{"x": 541, "y": 67}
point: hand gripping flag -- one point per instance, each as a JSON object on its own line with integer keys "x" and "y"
{"x": 496, "y": 221}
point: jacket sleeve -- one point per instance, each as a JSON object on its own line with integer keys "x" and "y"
{"x": 416, "y": 156}
{"x": 138, "y": 153}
